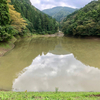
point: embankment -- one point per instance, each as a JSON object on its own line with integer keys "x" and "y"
{"x": 7, "y": 46}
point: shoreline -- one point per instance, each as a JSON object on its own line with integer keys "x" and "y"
{"x": 3, "y": 51}
{"x": 84, "y": 37}
{"x": 8, "y": 46}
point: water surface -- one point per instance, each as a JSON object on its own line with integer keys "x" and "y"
{"x": 42, "y": 64}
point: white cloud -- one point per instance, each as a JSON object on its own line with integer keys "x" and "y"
{"x": 63, "y": 71}
{"x": 45, "y": 4}
{"x": 65, "y": 5}
{"x": 35, "y": 1}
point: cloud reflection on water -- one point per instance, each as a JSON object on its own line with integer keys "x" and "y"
{"x": 63, "y": 71}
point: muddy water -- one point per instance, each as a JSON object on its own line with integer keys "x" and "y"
{"x": 42, "y": 64}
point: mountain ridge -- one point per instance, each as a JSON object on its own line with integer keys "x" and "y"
{"x": 84, "y": 22}
{"x": 59, "y": 12}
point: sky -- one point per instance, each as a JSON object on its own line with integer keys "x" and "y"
{"x": 46, "y": 4}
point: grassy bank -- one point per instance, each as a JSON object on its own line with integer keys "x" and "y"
{"x": 49, "y": 95}
{"x": 7, "y": 46}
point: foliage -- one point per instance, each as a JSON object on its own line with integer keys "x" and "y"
{"x": 21, "y": 18}
{"x": 84, "y": 22}
{"x": 4, "y": 13}
{"x": 59, "y": 13}
{"x": 49, "y": 95}
{"x": 6, "y": 32}
{"x": 37, "y": 21}
{"x": 11, "y": 22}
{"x": 16, "y": 20}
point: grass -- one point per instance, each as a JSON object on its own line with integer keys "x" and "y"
{"x": 4, "y": 45}
{"x": 7, "y": 44}
{"x": 49, "y": 95}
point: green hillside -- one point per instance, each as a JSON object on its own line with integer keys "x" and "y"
{"x": 37, "y": 20}
{"x": 27, "y": 1}
{"x": 84, "y": 22}
{"x": 19, "y": 17}
{"x": 59, "y": 13}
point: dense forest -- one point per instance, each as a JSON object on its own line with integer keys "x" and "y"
{"x": 84, "y": 22}
{"x": 19, "y": 17}
{"x": 59, "y": 13}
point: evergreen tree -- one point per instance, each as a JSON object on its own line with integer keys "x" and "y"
{"x": 38, "y": 20}
{"x": 84, "y": 22}
{"x": 39, "y": 25}
{"x": 4, "y": 13}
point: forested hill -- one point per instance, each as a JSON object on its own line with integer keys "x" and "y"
{"x": 59, "y": 13}
{"x": 84, "y": 22}
{"x": 19, "y": 17}
{"x": 39, "y": 22}
{"x": 22, "y": 1}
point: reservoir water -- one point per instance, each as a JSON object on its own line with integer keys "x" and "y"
{"x": 43, "y": 64}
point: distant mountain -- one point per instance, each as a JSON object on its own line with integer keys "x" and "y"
{"x": 84, "y": 22}
{"x": 59, "y": 12}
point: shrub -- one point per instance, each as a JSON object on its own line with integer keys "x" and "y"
{"x": 6, "y": 32}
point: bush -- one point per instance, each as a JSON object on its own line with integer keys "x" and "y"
{"x": 6, "y": 32}
{"x": 50, "y": 32}
{"x": 42, "y": 33}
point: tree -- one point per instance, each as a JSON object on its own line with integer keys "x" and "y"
{"x": 37, "y": 21}
{"x": 16, "y": 20}
{"x": 84, "y": 22}
{"x": 4, "y": 13}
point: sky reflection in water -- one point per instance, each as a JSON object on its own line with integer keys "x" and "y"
{"x": 62, "y": 71}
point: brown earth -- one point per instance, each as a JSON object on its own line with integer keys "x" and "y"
{"x": 98, "y": 95}
{"x": 4, "y": 50}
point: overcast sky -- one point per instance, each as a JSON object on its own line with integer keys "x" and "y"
{"x": 45, "y": 4}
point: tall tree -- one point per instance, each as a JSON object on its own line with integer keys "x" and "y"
{"x": 84, "y": 22}
{"x": 39, "y": 21}
{"x": 4, "y": 13}
{"x": 16, "y": 20}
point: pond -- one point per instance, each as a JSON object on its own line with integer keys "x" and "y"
{"x": 47, "y": 63}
